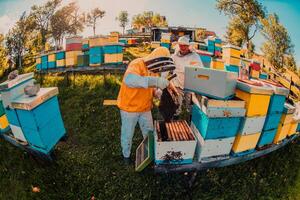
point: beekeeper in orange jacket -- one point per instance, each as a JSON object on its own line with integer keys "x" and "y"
{"x": 137, "y": 92}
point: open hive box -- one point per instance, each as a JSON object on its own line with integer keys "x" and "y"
{"x": 174, "y": 142}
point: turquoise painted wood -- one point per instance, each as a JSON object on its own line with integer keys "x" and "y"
{"x": 96, "y": 50}
{"x": 276, "y": 104}
{"x": 38, "y": 66}
{"x": 112, "y": 49}
{"x": 232, "y": 68}
{"x": 44, "y": 62}
{"x": 51, "y": 65}
{"x": 214, "y": 128}
{"x": 167, "y": 45}
{"x": 85, "y": 46}
{"x": 205, "y": 58}
{"x": 12, "y": 117}
{"x": 179, "y": 162}
{"x": 124, "y": 41}
{"x": 263, "y": 76}
{"x": 211, "y": 49}
{"x": 60, "y": 55}
{"x": 2, "y": 110}
{"x": 218, "y": 41}
{"x": 96, "y": 58}
{"x": 43, "y": 125}
{"x": 272, "y": 121}
{"x": 298, "y": 127}
{"x": 267, "y": 137}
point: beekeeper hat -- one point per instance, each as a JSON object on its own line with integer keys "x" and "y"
{"x": 183, "y": 40}
{"x": 159, "y": 60}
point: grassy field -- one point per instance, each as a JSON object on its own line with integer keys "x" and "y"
{"x": 89, "y": 162}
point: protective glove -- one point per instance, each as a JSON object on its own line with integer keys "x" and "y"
{"x": 159, "y": 82}
{"x": 158, "y": 93}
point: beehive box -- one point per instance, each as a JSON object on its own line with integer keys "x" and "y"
{"x": 209, "y": 82}
{"x": 40, "y": 119}
{"x": 282, "y": 132}
{"x": 174, "y": 143}
{"x": 252, "y": 125}
{"x": 71, "y": 58}
{"x": 61, "y": 63}
{"x": 114, "y": 48}
{"x": 167, "y": 45}
{"x": 244, "y": 143}
{"x": 232, "y": 61}
{"x": 231, "y": 51}
{"x": 205, "y": 57}
{"x": 83, "y": 60}
{"x": 44, "y": 64}
{"x": 263, "y": 76}
{"x": 267, "y": 137}
{"x": 256, "y": 95}
{"x": 60, "y": 55}
{"x": 211, "y": 148}
{"x": 219, "y": 122}
{"x": 272, "y": 121}
{"x": 293, "y": 128}
{"x": 217, "y": 64}
{"x": 3, "y": 123}
{"x": 155, "y": 45}
{"x": 12, "y": 89}
{"x": 113, "y": 58}
{"x": 51, "y": 57}
{"x": 232, "y": 68}
{"x": 99, "y": 41}
{"x": 254, "y": 73}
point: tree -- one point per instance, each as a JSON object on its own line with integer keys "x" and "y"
{"x": 244, "y": 19}
{"x": 93, "y": 16}
{"x": 77, "y": 21}
{"x": 63, "y": 22}
{"x": 18, "y": 37}
{"x": 148, "y": 20}
{"x": 42, "y": 16}
{"x": 3, "y": 56}
{"x": 123, "y": 19}
{"x": 278, "y": 42}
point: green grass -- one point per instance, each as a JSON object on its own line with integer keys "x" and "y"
{"x": 89, "y": 162}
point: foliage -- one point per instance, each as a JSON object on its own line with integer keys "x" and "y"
{"x": 93, "y": 16}
{"x": 42, "y": 17}
{"x": 148, "y": 19}
{"x": 244, "y": 17}
{"x": 123, "y": 19}
{"x": 278, "y": 43}
{"x": 3, "y": 56}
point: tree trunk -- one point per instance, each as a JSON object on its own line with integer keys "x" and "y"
{"x": 94, "y": 29}
{"x": 123, "y": 30}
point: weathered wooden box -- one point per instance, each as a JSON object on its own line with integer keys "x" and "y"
{"x": 174, "y": 143}
{"x": 245, "y": 143}
{"x": 251, "y": 125}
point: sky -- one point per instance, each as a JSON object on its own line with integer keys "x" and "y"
{"x": 192, "y": 13}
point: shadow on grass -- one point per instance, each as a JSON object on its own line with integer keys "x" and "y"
{"x": 89, "y": 163}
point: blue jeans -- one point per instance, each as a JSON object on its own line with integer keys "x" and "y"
{"x": 129, "y": 121}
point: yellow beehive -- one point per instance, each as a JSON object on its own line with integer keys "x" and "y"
{"x": 85, "y": 41}
{"x": 113, "y": 39}
{"x": 282, "y": 132}
{"x": 114, "y": 34}
{"x": 51, "y": 57}
{"x": 232, "y": 61}
{"x": 245, "y": 61}
{"x": 284, "y": 82}
{"x": 72, "y": 54}
{"x": 254, "y": 74}
{"x": 286, "y": 118}
{"x": 100, "y": 41}
{"x": 71, "y": 62}
{"x": 113, "y": 58}
{"x": 218, "y": 45}
{"x": 60, "y": 63}
{"x": 94, "y": 65}
{"x": 38, "y": 60}
{"x": 231, "y": 51}
{"x": 245, "y": 142}
{"x": 293, "y": 128}
{"x": 217, "y": 64}
{"x": 165, "y": 41}
{"x": 256, "y": 104}
{"x": 3, "y": 122}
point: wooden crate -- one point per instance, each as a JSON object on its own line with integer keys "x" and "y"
{"x": 282, "y": 132}
{"x": 252, "y": 125}
{"x": 144, "y": 153}
{"x": 244, "y": 143}
{"x": 217, "y": 64}
{"x": 231, "y": 51}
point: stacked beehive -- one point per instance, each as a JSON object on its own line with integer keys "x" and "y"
{"x": 83, "y": 60}
{"x": 51, "y": 60}
{"x": 214, "y": 46}
{"x": 274, "y": 114}
{"x": 217, "y": 64}
{"x": 263, "y": 76}
{"x": 38, "y": 63}
{"x": 4, "y": 125}
{"x": 215, "y": 124}
{"x": 96, "y": 54}
{"x": 113, "y": 53}
{"x": 123, "y": 40}
{"x": 35, "y": 121}
{"x": 165, "y": 40}
{"x": 85, "y": 44}
{"x": 255, "y": 69}
{"x": 44, "y": 59}
{"x": 287, "y": 125}
{"x": 257, "y": 98}
{"x": 73, "y": 49}
{"x": 205, "y": 57}
{"x": 231, "y": 57}
{"x": 60, "y": 59}
{"x": 174, "y": 143}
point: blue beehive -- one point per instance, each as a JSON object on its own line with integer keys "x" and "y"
{"x": 267, "y": 137}
{"x": 113, "y": 49}
{"x": 167, "y": 45}
{"x": 60, "y": 55}
{"x": 44, "y": 62}
{"x": 51, "y": 65}
{"x": 232, "y": 68}
{"x": 38, "y": 66}
{"x": 272, "y": 121}
{"x": 96, "y": 55}
{"x": 85, "y": 46}
{"x": 40, "y": 119}
{"x": 276, "y": 104}
{"x": 214, "y": 128}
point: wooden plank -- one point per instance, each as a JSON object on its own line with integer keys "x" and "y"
{"x": 199, "y": 166}
{"x": 109, "y": 102}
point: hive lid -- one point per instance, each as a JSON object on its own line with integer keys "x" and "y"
{"x": 254, "y": 87}
{"x": 114, "y": 44}
{"x": 144, "y": 153}
{"x": 277, "y": 88}
{"x": 25, "y": 102}
{"x": 18, "y": 80}
{"x": 289, "y": 109}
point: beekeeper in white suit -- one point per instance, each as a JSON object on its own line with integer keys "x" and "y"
{"x": 184, "y": 56}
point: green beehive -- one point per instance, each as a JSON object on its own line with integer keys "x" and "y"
{"x": 83, "y": 60}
